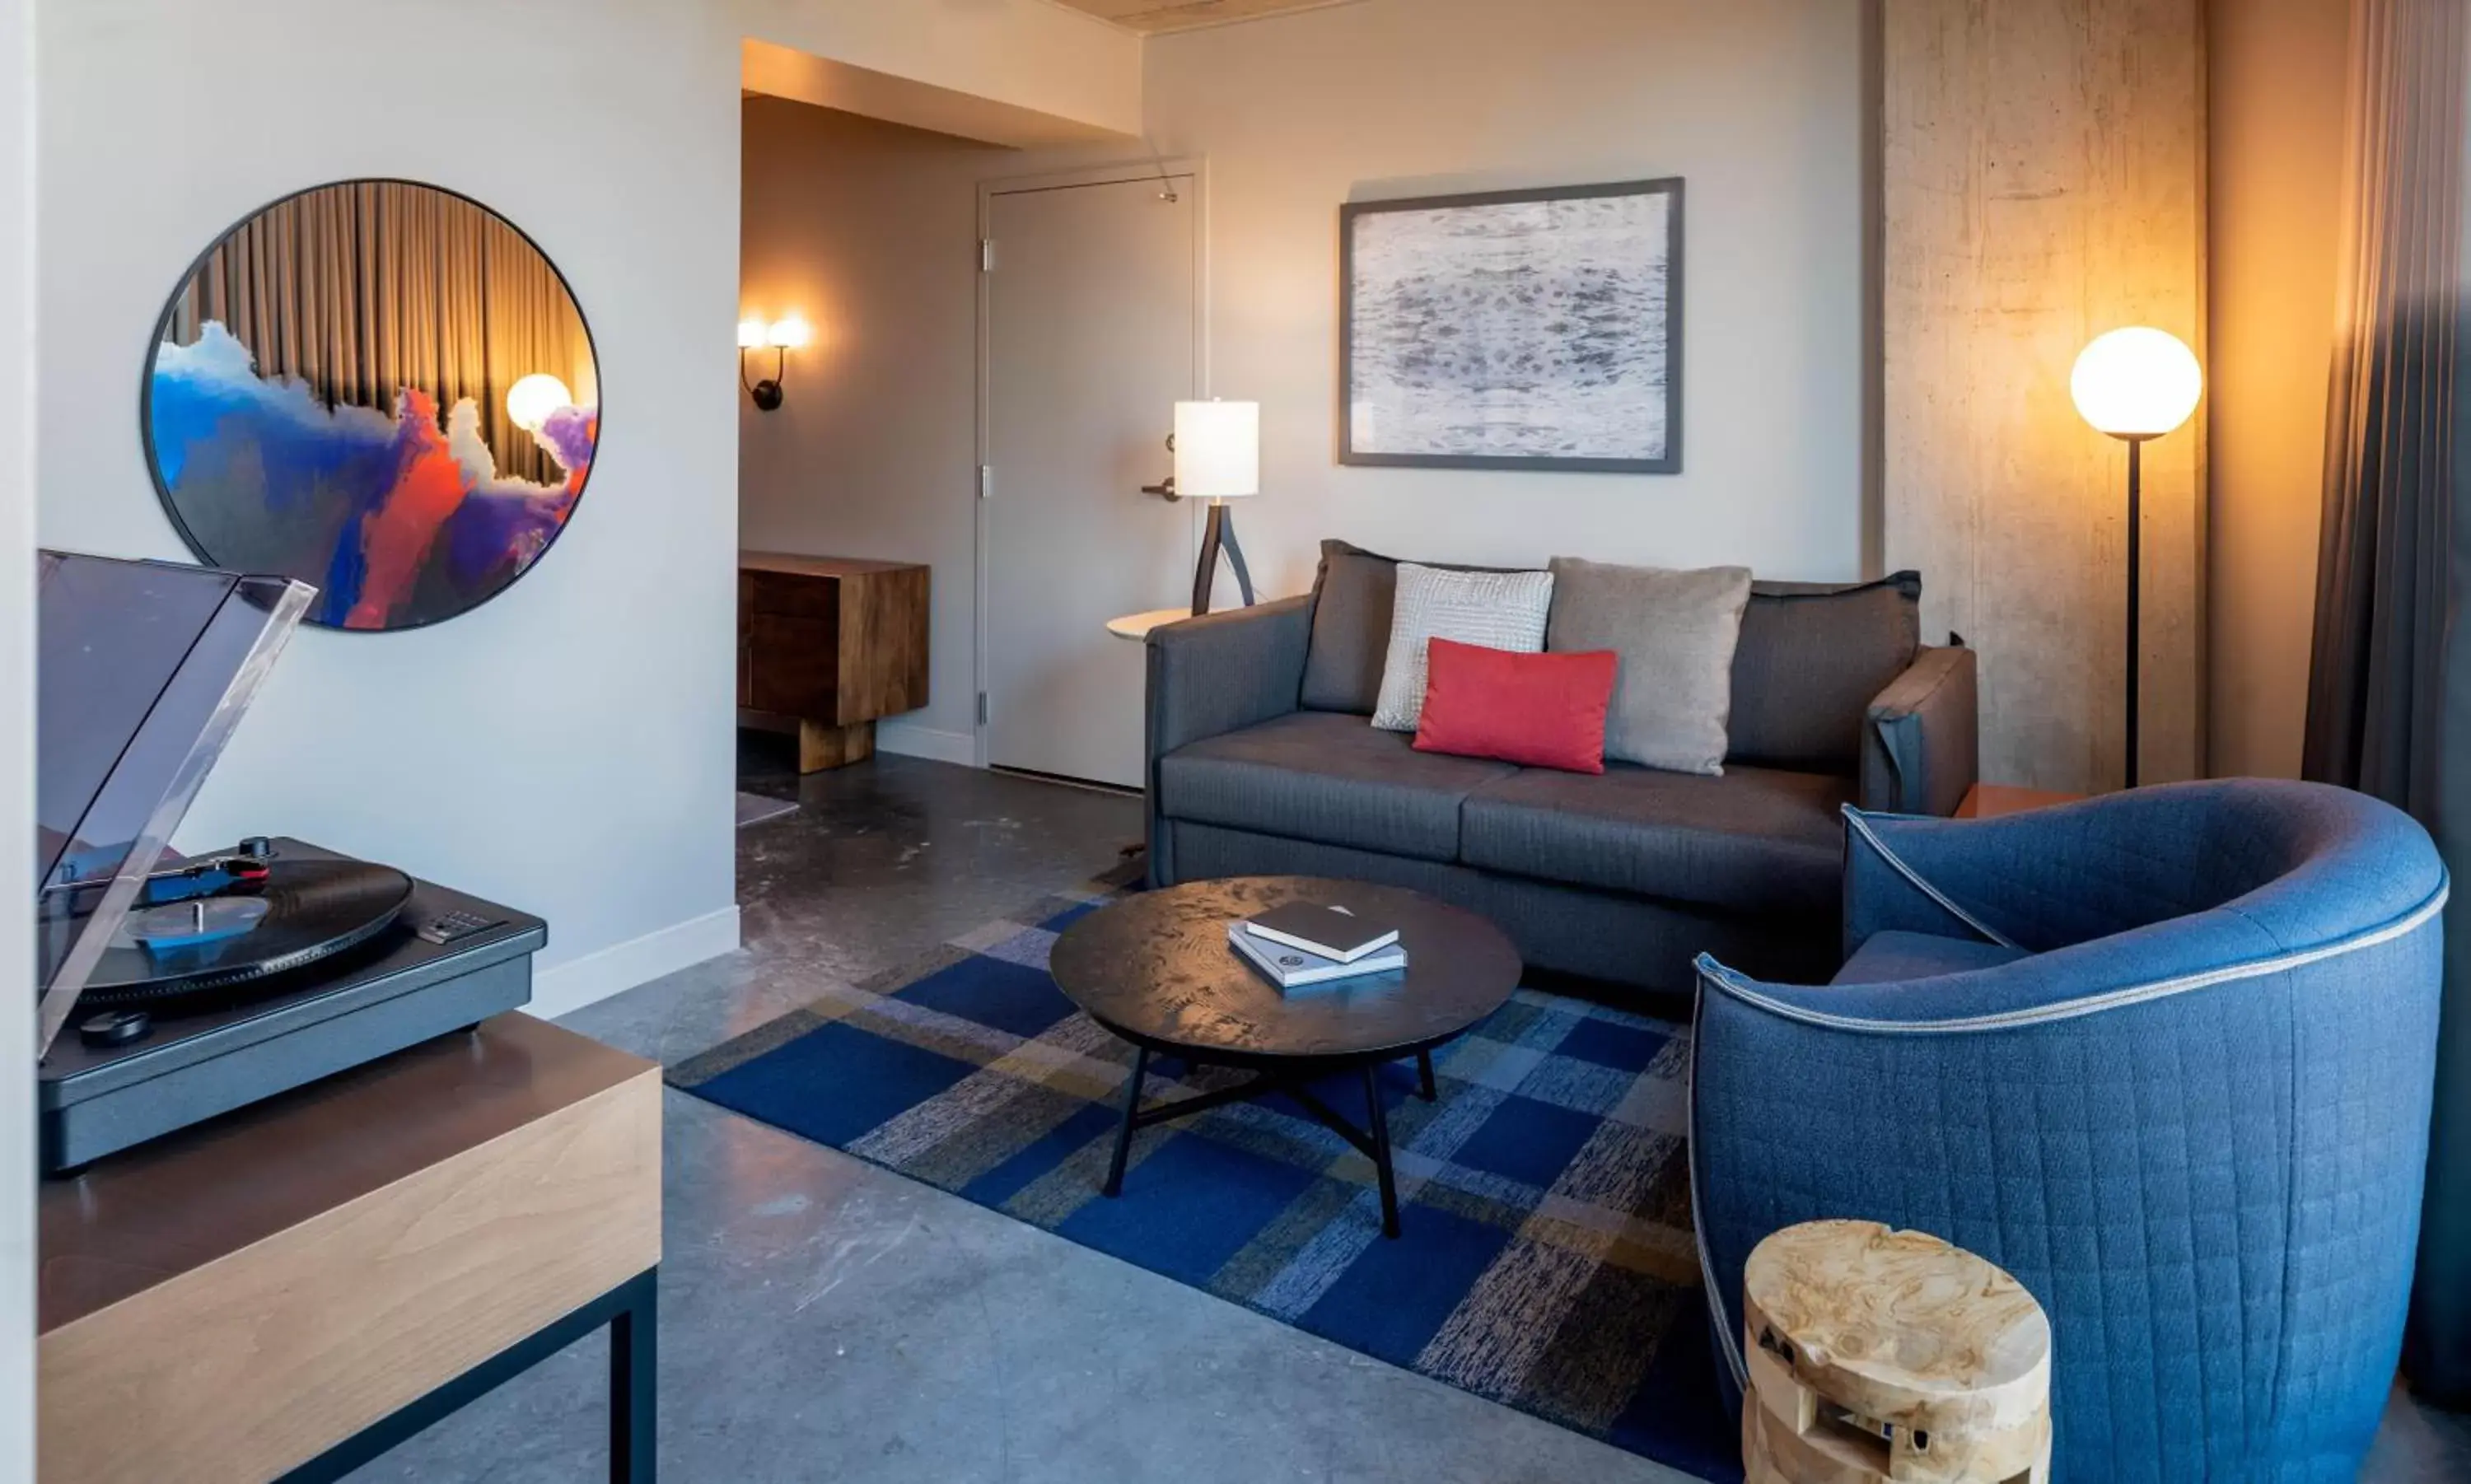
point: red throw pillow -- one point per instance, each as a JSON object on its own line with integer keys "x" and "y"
{"x": 1538, "y": 710}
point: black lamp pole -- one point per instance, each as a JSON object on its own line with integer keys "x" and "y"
{"x": 2135, "y": 573}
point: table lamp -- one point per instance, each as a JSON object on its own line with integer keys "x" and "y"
{"x": 1218, "y": 459}
{"x": 2136, "y": 384}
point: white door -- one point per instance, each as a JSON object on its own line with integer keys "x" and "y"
{"x": 1090, "y": 344}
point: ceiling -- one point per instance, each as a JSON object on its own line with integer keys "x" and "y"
{"x": 1156, "y": 17}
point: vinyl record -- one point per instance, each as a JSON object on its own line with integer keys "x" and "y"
{"x": 306, "y": 910}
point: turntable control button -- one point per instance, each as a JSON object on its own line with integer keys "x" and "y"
{"x": 116, "y": 1027}
{"x": 452, "y": 925}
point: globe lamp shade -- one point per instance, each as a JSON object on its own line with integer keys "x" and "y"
{"x": 2136, "y": 383}
{"x": 530, "y": 400}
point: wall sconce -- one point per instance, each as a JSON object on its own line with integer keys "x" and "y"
{"x": 781, "y": 336}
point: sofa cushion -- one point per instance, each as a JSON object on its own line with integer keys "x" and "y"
{"x": 1499, "y": 610}
{"x": 1535, "y": 710}
{"x": 1354, "y": 594}
{"x": 1676, "y": 633}
{"x": 1895, "y": 956}
{"x": 1327, "y": 777}
{"x": 1752, "y": 839}
{"x": 1810, "y": 659}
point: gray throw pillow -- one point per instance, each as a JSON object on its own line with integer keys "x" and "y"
{"x": 1352, "y": 594}
{"x": 1674, "y": 633}
{"x": 1498, "y": 610}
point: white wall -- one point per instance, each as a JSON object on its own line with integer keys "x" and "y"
{"x": 16, "y": 738}
{"x": 566, "y": 747}
{"x": 1758, "y": 104}
{"x": 869, "y": 230}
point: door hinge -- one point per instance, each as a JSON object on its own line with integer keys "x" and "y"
{"x": 983, "y": 708}
{"x": 986, "y": 254}
{"x": 986, "y": 482}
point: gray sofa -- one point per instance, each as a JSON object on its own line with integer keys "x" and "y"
{"x": 1261, "y": 759}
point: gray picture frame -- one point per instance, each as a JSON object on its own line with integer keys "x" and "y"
{"x": 1351, "y": 213}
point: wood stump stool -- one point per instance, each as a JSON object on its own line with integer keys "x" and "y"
{"x": 1878, "y": 1355}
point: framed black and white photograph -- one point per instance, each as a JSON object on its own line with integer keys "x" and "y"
{"x": 1513, "y": 330}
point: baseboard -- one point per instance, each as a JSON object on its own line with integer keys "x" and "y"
{"x": 912, "y": 741}
{"x": 577, "y": 982}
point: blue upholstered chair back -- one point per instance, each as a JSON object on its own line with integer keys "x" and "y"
{"x": 2192, "y": 1117}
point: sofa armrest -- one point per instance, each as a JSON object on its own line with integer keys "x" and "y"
{"x": 1214, "y": 674}
{"x": 1920, "y": 741}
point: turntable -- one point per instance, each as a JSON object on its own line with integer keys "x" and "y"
{"x": 198, "y": 985}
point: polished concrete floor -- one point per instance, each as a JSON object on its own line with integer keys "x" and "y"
{"x": 822, "y": 1319}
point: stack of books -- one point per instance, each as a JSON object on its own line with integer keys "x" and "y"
{"x": 1303, "y": 944}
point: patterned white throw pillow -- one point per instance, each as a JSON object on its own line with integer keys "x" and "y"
{"x": 1499, "y": 610}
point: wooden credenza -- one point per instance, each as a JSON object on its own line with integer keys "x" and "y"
{"x": 289, "y": 1289}
{"x": 828, "y": 645}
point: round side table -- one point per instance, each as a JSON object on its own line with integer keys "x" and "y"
{"x": 1878, "y": 1355}
{"x": 1137, "y": 625}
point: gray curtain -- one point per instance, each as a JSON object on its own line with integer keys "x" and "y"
{"x": 367, "y": 286}
{"x": 2389, "y": 692}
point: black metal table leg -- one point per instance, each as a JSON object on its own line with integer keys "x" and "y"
{"x": 1380, "y": 1122}
{"x": 634, "y": 1369}
{"x": 1425, "y": 1077}
{"x": 1115, "y": 1185}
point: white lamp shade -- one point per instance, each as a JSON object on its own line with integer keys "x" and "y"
{"x": 789, "y": 332}
{"x": 530, "y": 400}
{"x": 753, "y": 333}
{"x": 1218, "y": 450}
{"x": 2136, "y": 383}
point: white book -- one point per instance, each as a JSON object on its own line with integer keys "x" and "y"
{"x": 1294, "y": 968}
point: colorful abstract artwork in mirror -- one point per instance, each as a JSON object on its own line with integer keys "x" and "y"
{"x": 380, "y": 387}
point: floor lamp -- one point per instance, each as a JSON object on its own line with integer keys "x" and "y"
{"x": 1218, "y": 459}
{"x": 2136, "y": 384}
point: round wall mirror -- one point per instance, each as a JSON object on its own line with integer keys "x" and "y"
{"x": 380, "y": 387}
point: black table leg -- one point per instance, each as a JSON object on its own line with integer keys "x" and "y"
{"x": 1115, "y": 1185}
{"x": 634, "y": 1369}
{"x": 1380, "y": 1122}
{"x": 1425, "y": 1077}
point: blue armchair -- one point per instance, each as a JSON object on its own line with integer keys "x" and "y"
{"x": 2167, "y": 1056}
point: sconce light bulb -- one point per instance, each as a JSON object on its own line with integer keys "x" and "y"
{"x": 789, "y": 332}
{"x": 530, "y": 400}
{"x": 753, "y": 333}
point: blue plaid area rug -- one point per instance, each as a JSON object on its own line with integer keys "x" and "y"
{"x": 1547, "y": 1261}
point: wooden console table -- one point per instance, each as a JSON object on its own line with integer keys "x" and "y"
{"x": 829, "y": 643}
{"x": 291, "y": 1289}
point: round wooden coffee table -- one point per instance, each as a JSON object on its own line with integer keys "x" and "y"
{"x": 1156, "y": 969}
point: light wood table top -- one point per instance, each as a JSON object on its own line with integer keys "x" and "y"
{"x": 272, "y": 1282}
{"x": 1137, "y": 625}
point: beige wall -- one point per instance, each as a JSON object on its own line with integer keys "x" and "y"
{"x": 1758, "y": 104}
{"x": 1029, "y": 56}
{"x": 2043, "y": 182}
{"x": 870, "y": 230}
{"x": 2277, "y": 102}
